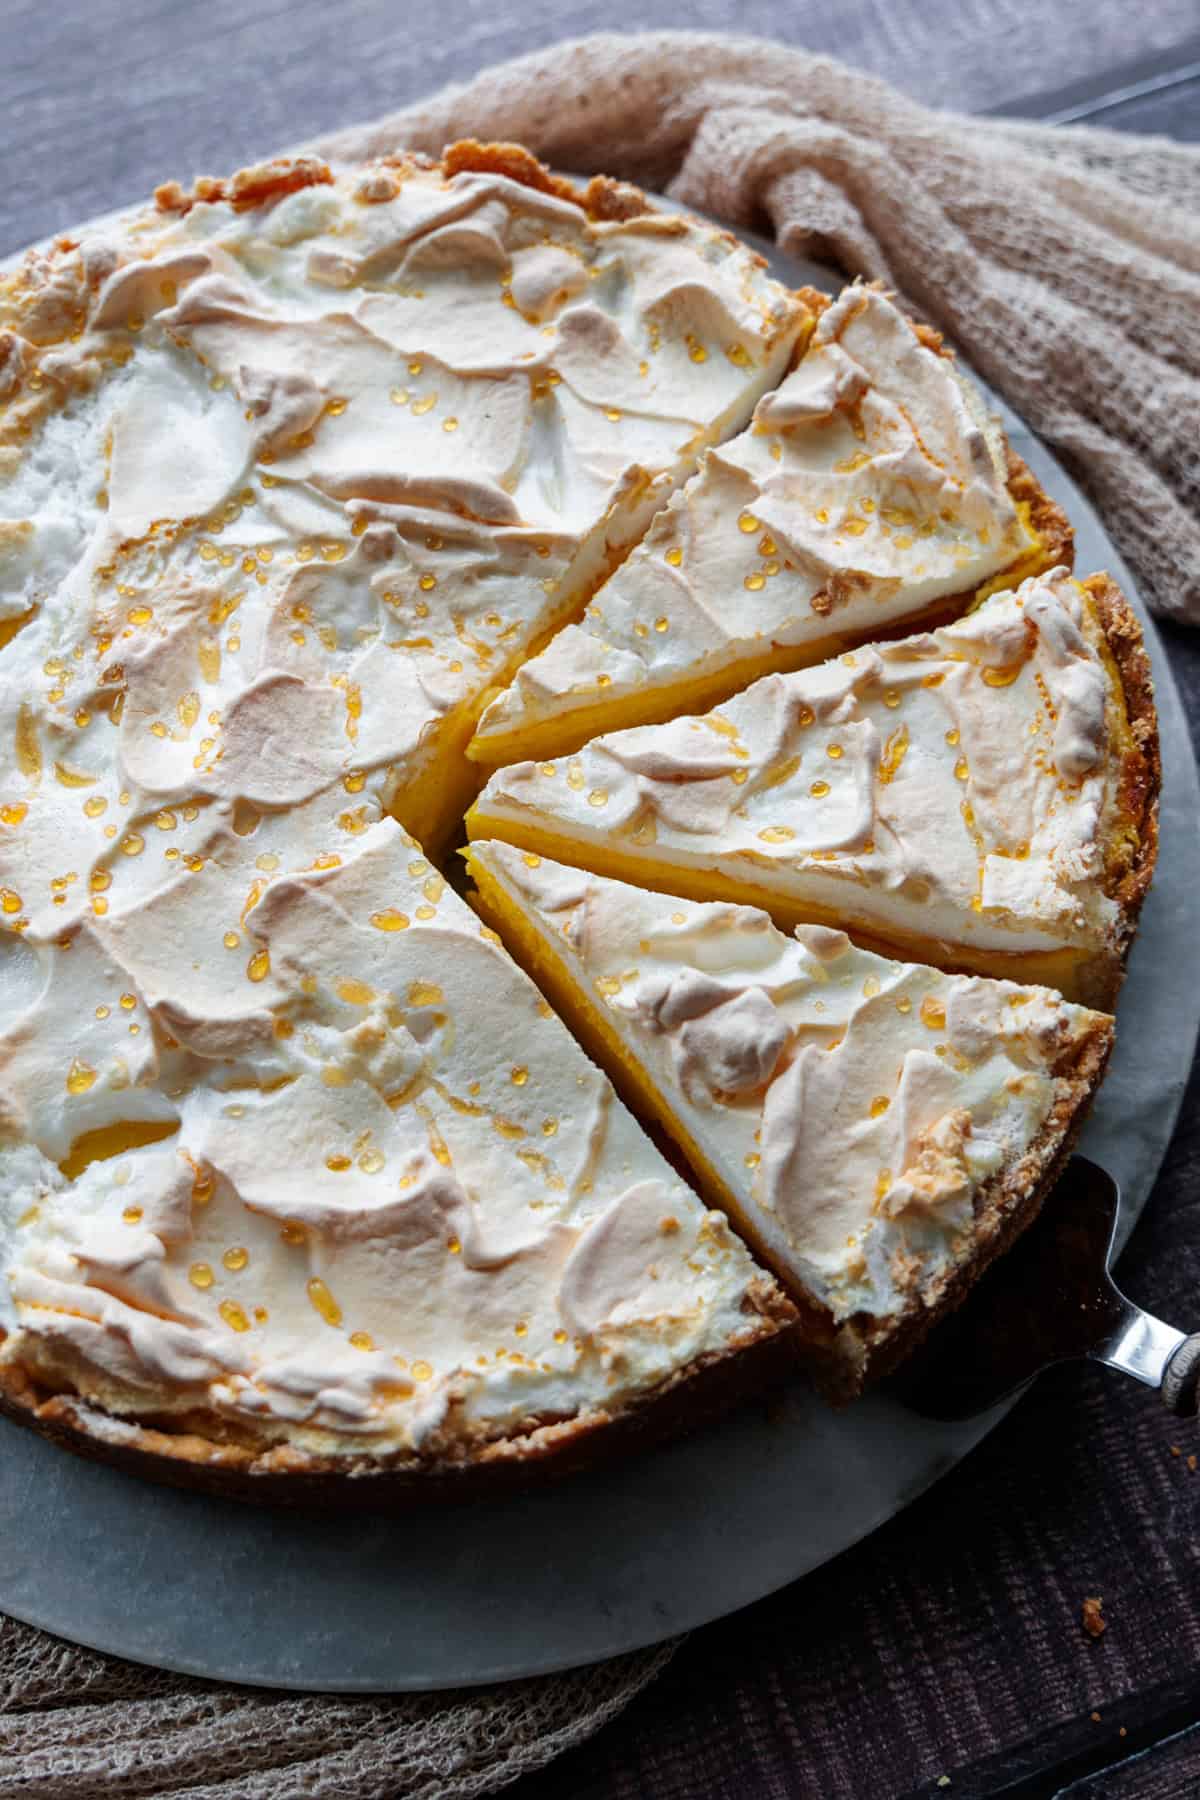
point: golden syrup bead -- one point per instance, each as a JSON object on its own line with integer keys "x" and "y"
{"x": 200, "y": 1275}
{"x": 323, "y": 1301}
{"x": 132, "y": 1215}
{"x": 236, "y": 1258}
{"x": 80, "y": 1077}
{"x": 834, "y": 750}
{"x": 754, "y": 582}
{"x": 421, "y": 1370}
{"x": 598, "y": 797}
{"x": 879, "y": 1106}
{"x": 903, "y": 1004}
{"x": 776, "y": 834}
{"x": 933, "y": 1014}
{"x": 390, "y": 920}
{"x": 233, "y": 1315}
{"x": 961, "y": 771}
{"x": 259, "y": 966}
{"x": 662, "y": 624}
{"x": 952, "y": 738}
{"x": 748, "y": 523}
{"x": 371, "y": 1161}
{"x": 819, "y": 789}
{"x": 752, "y": 1159}
{"x": 549, "y": 1127}
{"x": 337, "y": 1163}
{"x": 674, "y": 556}
{"x": 362, "y": 1340}
{"x": 128, "y": 1002}
{"x": 519, "y": 1076}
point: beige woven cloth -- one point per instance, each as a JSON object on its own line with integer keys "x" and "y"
{"x": 1066, "y": 264}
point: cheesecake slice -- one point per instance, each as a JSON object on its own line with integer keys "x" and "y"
{"x": 383, "y": 427}
{"x": 877, "y": 1130}
{"x": 871, "y": 490}
{"x": 333, "y": 1193}
{"x": 982, "y": 796}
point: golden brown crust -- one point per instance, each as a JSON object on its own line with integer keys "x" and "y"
{"x": 601, "y": 197}
{"x": 1045, "y": 515}
{"x": 249, "y": 187}
{"x": 712, "y": 1385}
{"x": 864, "y": 1351}
{"x": 1131, "y": 865}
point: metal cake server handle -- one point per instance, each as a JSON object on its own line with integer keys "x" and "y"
{"x": 1049, "y": 1299}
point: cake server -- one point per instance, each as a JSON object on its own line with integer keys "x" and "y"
{"x": 1048, "y": 1300}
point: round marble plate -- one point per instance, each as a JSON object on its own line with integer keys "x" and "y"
{"x": 603, "y": 1563}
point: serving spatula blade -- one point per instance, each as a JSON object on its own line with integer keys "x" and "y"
{"x": 1049, "y": 1299}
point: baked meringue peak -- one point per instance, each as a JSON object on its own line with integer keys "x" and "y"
{"x": 870, "y": 487}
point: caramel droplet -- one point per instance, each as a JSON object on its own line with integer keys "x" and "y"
{"x": 390, "y": 920}
{"x": 323, "y": 1301}
{"x": 80, "y": 1077}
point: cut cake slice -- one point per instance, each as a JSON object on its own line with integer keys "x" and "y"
{"x": 877, "y": 1130}
{"x": 871, "y": 489}
{"x": 983, "y": 796}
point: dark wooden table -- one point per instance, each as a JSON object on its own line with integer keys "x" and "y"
{"x": 945, "y": 1655}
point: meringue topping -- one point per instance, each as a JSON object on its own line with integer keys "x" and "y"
{"x": 351, "y": 1184}
{"x": 849, "y": 1110}
{"x": 316, "y": 468}
{"x": 869, "y": 485}
{"x": 957, "y": 788}
{"x": 291, "y": 472}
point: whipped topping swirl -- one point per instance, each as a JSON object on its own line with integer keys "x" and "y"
{"x": 960, "y": 785}
{"x": 869, "y": 485}
{"x": 850, "y": 1107}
